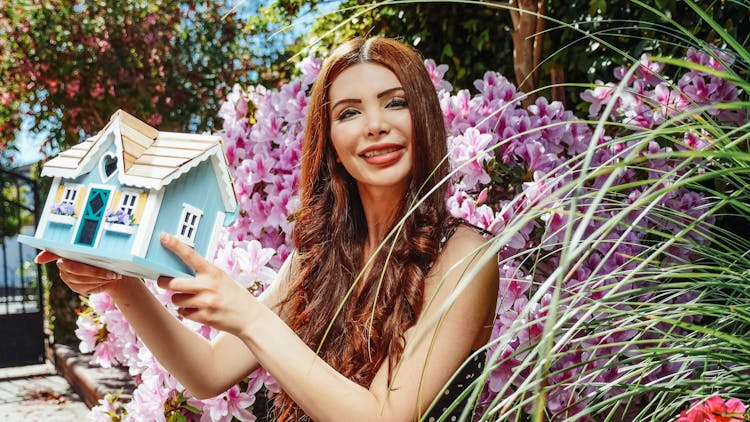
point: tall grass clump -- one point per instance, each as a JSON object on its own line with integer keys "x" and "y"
{"x": 635, "y": 301}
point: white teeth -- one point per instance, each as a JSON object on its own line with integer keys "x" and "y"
{"x": 380, "y": 152}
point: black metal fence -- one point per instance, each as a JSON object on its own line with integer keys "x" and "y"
{"x": 21, "y": 300}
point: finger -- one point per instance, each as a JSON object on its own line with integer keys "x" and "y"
{"x": 45, "y": 256}
{"x": 187, "y": 254}
{"x": 84, "y": 270}
{"x": 189, "y": 313}
{"x": 163, "y": 281}
{"x": 87, "y": 289}
{"x": 84, "y": 285}
{"x": 184, "y": 300}
{"x": 183, "y": 285}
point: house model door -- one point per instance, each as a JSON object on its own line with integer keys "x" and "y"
{"x": 93, "y": 214}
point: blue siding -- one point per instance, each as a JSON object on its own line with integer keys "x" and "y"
{"x": 64, "y": 233}
{"x": 59, "y": 232}
{"x": 199, "y": 189}
{"x": 109, "y": 241}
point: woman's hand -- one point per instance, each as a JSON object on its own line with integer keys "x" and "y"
{"x": 82, "y": 278}
{"x": 211, "y": 297}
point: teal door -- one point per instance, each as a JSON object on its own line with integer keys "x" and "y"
{"x": 93, "y": 214}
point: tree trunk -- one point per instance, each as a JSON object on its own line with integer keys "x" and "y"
{"x": 557, "y": 78}
{"x": 528, "y": 42}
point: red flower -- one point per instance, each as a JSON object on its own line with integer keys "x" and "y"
{"x": 714, "y": 410}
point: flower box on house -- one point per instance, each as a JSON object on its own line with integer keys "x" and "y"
{"x": 62, "y": 219}
{"x": 119, "y": 228}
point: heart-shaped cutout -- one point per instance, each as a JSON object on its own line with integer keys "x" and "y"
{"x": 110, "y": 165}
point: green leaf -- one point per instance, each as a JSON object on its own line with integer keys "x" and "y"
{"x": 447, "y": 50}
{"x": 191, "y": 409}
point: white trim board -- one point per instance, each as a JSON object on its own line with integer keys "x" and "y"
{"x": 213, "y": 244}
{"x": 145, "y": 229}
{"x": 44, "y": 220}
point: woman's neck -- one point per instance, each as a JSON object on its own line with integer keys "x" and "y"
{"x": 380, "y": 206}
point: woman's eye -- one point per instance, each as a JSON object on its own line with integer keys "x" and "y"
{"x": 346, "y": 114}
{"x": 397, "y": 103}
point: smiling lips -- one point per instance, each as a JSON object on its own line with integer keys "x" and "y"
{"x": 383, "y": 155}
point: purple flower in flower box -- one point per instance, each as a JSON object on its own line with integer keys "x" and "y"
{"x": 63, "y": 208}
{"x": 118, "y": 217}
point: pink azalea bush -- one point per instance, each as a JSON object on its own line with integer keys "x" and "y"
{"x": 508, "y": 161}
{"x": 714, "y": 409}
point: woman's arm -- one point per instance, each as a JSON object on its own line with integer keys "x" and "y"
{"x": 201, "y": 366}
{"x": 433, "y": 350}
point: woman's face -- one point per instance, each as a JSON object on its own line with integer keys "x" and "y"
{"x": 371, "y": 126}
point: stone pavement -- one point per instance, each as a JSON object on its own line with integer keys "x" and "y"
{"x": 62, "y": 391}
{"x": 37, "y": 393}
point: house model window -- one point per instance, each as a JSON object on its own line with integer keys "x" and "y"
{"x": 107, "y": 166}
{"x": 188, "y": 227}
{"x": 128, "y": 201}
{"x": 69, "y": 196}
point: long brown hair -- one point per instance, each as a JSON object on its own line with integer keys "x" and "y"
{"x": 330, "y": 230}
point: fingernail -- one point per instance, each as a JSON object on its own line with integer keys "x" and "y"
{"x": 59, "y": 262}
{"x": 163, "y": 237}
{"x": 114, "y": 276}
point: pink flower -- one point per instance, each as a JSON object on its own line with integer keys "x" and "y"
{"x": 598, "y": 96}
{"x": 251, "y": 259}
{"x": 649, "y": 71}
{"x": 148, "y": 403}
{"x": 101, "y": 303}
{"x": 97, "y": 91}
{"x": 497, "y": 89}
{"x": 88, "y": 333}
{"x": 555, "y": 229}
{"x": 695, "y": 141}
{"x": 104, "y": 355}
{"x": 514, "y": 283}
{"x": 6, "y": 98}
{"x": 106, "y": 409}
{"x": 714, "y": 409}
{"x": 154, "y": 119}
{"x": 469, "y": 153}
{"x": 436, "y": 75}
{"x": 231, "y": 404}
{"x": 72, "y": 88}
{"x": 717, "y": 59}
{"x": 310, "y": 67}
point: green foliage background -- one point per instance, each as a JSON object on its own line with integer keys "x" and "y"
{"x": 473, "y": 37}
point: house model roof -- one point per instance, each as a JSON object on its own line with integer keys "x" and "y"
{"x": 146, "y": 157}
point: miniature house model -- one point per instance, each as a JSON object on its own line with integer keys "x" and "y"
{"x": 113, "y": 194}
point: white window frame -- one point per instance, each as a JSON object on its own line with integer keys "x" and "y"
{"x": 187, "y": 226}
{"x": 102, "y": 166}
{"x": 70, "y": 193}
{"x": 129, "y": 193}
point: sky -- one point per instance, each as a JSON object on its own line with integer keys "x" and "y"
{"x": 28, "y": 144}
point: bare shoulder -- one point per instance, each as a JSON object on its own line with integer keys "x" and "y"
{"x": 466, "y": 254}
{"x": 465, "y": 244}
{"x": 465, "y": 275}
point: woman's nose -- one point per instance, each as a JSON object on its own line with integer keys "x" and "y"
{"x": 376, "y": 124}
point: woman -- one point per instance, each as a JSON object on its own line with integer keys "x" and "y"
{"x": 374, "y": 139}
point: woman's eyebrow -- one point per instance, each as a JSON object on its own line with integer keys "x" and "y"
{"x": 389, "y": 91}
{"x": 358, "y": 101}
{"x": 345, "y": 100}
